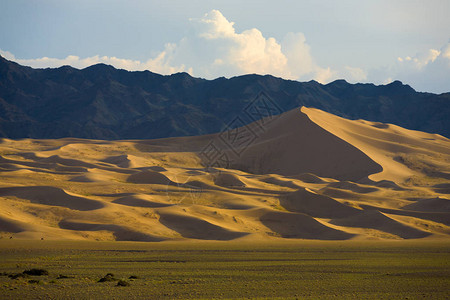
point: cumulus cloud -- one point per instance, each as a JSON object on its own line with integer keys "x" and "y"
{"x": 422, "y": 59}
{"x": 215, "y": 49}
{"x": 426, "y": 71}
{"x": 354, "y": 74}
{"x": 301, "y": 64}
{"x": 212, "y": 49}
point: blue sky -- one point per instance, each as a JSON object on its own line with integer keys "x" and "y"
{"x": 360, "y": 41}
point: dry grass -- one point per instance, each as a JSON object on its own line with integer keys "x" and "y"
{"x": 182, "y": 270}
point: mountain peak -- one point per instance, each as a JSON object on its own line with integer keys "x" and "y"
{"x": 400, "y": 86}
{"x": 339, "y": 82}
{"x": 100, "y": 67}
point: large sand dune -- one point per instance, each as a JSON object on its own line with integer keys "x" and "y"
{"x": 305, "y": 174}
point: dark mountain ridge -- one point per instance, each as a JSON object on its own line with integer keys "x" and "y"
{"x": 101, "y": 102}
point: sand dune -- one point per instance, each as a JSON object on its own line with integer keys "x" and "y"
{"x": 443, "y": 188}
{"x": 388, "y": 184}
{"x": 439, "y": 217}
{"x": 315, "y": 205}
{"x": 140, "y": 201}
{"x": 309, "y": 178}
{"x": 66, "y": 161}
{"x": 282, "y": 182}
{"x": 121, "y": 233}
{"x": 356, "y": 188}
{"x": 402, "y": 153}
{"x": 340, "y": 193}
{"x": 149, "y": 177}
{"x": 437, "y": 204}
{"x": 305, "y": 174}
{"x": 292, "y": 144}
{"x": 94, "y": 175}
{"x": 9, "y": 225}
{"x": 48, "y": 195}
{"x": 294, "y": 225}
{"x": 191, "y": 227}
{"x": 228, "y": 180}
{"x": 127, "y": 161}
{"x": 376, "y": 220}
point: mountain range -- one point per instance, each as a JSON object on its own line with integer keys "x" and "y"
{"x": 101, "y": 102}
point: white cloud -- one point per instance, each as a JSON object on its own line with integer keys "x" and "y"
{"x": 301, "y": 64}
{"x": 212, "y": 49}
{"x": 354, "y": 74}
{"x": 215, "y": 49}
{"x": 158, "y": 64}
{"x": 214, "y": 25}
{"x": 427, "y": 71}
{"x": 421, "y": 59}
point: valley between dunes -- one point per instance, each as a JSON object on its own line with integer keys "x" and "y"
{"x": 305, "y": 174}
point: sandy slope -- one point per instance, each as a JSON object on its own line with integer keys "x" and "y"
{"x": 305, "y": 174}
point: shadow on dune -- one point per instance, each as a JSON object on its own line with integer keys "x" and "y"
{"x": 49, "y": 195}
{"x": 121, "y": 233}
{"x": 194, "y": 228}
{"x": 315, "y": 205}
{"x": 300, "y": 226}
{"x": 150, "y": 177}
{"x": 8, "y": 225}
{"x": 440, "y": 217}
{"x": 376, "y": 220}
{"x": 437, "y": 204}
{"x": 136, "y": 201}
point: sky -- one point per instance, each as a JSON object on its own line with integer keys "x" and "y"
{"x": 323, "y": 40}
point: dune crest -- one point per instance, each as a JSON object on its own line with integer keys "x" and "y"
{"x": 400, "y": 152}
{"x": 292, "y": 145}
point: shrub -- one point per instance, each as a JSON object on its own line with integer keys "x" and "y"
{"x": 108, "y": 277}
{"x": 36, "y": 272}
{"x": 123, "y": 283}
{"x": 34, "y": 281}
{"x": 18, "y": 275}
{"x": 133, "y": 277}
